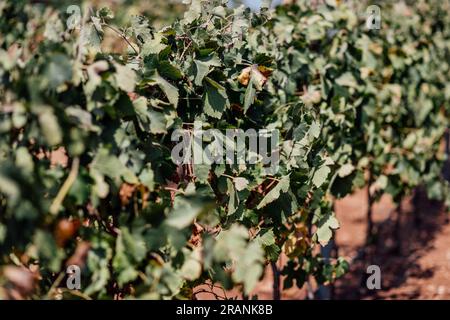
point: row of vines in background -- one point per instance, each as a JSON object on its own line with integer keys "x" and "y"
{"x": 86, "y": 118}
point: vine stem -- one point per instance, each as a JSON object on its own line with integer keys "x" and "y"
{"x": 185, "y": 50}
{"x": 369, "y": 210}
{"x": 447, "y": 141}
{"x": 270, "y": 184}
{"x": 276, "y": 281}
{"x": 217, "y": 296}
{"x": 174, "y": 190}
{"x": 55, "y": 284}
{"x": 77, "y": 293}
{"x": 325, "y": 292}
{"x": 56, "y": 204}
{"x": 416, "y": 206}
{"x": 446, "y": 169}
{"x": 122, "y": 36}
{"x": 398, "y": 227}
{"x": 228, "y": 176}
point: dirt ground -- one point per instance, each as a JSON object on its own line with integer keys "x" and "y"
{"x": 418, "y": 269}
